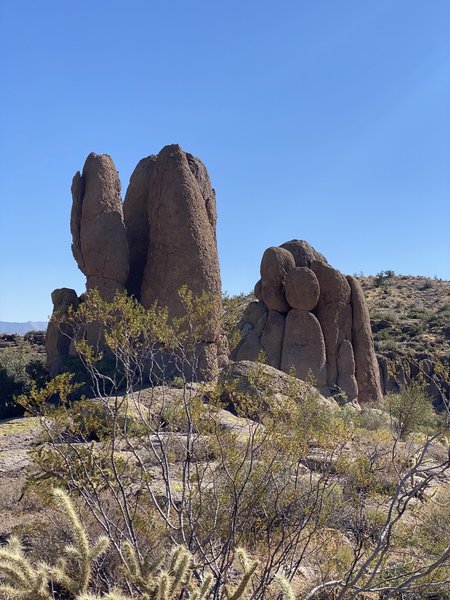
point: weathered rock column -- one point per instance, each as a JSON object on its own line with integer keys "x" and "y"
{"x": 99, "y": 244}
{"x": 182, "y": 247}
{"x": 59, "y": 333}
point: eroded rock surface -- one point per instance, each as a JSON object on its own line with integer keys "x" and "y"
{"x": 135, "y": 212}
{"x": 100, "y": 244}
{"x": 162, "y": 238}
{"x": 59, "y": 333}
{"x": 323, "y": 328}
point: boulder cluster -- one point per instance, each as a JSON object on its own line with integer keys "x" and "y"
{"x": 310, "y": 318}
{"x": 163, "y": 236}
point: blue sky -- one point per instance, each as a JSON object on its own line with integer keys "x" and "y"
{"x": 319, "y": 120}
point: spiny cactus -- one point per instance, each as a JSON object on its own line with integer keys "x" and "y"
{"x": 164, "y": 582}
{"x": 73, "y": 570}
{"x": 20, "y": 579}
{"x": 248, "y": 570}
{"x": 285, "y": 587}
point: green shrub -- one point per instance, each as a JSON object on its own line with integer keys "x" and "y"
{"x": 411, "y": 410}
{"x": 19, "y": 366}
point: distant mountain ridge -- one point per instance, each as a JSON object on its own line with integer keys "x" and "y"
{"x": 22, "y": 328}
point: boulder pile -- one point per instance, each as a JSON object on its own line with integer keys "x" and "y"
{"x": 162, "y": 237}
{"x": 313, "y": 320}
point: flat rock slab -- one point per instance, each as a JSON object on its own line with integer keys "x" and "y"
{"x": 13, "y": 461}
{"x": 17, "y": 436}
{"x": 20, "y": 433}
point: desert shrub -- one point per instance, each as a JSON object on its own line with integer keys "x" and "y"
{"x": 388, "y": 344}
{"x": 411, "y": 410}
{"x": 232, "y": 310}
{"x": 19, "y": 366}
{"x": 372, "y": 418}
{"x": 280, "y": 476}
{"x": 381, "y": 278}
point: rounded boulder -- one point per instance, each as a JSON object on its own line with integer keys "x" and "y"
{"x": 302, "y": 288}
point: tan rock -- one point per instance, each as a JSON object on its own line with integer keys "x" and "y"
{"x": 182, "y": 247}
{"x": 267, "y": 384}
{"x": 304, "y": 347}
{"x": 59, "y": 334}
{"x": 302, "y": 288}
{"x": 99, "y": 245}
{"x": 272, "y": 338}
{"x": 334, "y": 313}
{"x": 275, "y": 264}
{"x": 250, "y": 346}
{"x": 303, "y": 253}
{"x": 366, "y": 365}
{"x": 135, "y": 212}
{"x": 257, "y": 290}
{"x": 346, "y": 380}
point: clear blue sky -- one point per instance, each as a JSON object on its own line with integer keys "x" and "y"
{"x": 322, "y": 120}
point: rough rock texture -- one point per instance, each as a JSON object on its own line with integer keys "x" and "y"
{"x": 59, "y": 335}
{"x": 252, "y": 326}
{"x": 182, "y": 243}
{"x": 321, "y": 323}
{"x": 334, "y": 313}
{"x": 275, "y": 264}
{"x": 163, "y": 239}
{"x": 100, "y": 244}
{"x": 135, "y": 213}
{"x": 259, "y": 381}
{"x": 302, "y": 288}
{"x": 182, "y": 247}
{"x": 272, "y": 338}
{"x": 303, "y": 253}
{"x": 346, "y": 380}
{"x": 366, "y": 365}
{"x": 304, "y": 347}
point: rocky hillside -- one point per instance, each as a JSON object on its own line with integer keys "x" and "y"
{"x": 410, "y": 320}
{"x": 410, "y": 314}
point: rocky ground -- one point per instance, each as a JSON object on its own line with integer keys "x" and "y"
{"x": 409, "y": 313}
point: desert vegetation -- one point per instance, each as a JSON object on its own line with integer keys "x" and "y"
{"x": 152, "y": 485}
{"x": 22, "y": 361}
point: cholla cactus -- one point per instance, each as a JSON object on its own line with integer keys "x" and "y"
{"x": 73, "y": 570}
{"x": 19, "y": 579}
{"x": 248, "y": 570}
{"x": 174, "y": 580}
{"x": 169, "y": 581}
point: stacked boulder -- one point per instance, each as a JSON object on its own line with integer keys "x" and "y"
{"x": 161, "y": 238}
{"x": 310, "y": 318}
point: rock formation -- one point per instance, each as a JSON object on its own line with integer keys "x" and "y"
{"x": 162, "y": 238}
{"x": 135, "y": 213}
{"x": 182, "y": 247}
{"x": 99, "y": 244}
{"x": 311, "y": 318}
{"x": 59, "y": 334}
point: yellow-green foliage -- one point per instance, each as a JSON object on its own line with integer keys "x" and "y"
{"x": 36, "y": 401}
{"x": 411, "y": 410}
